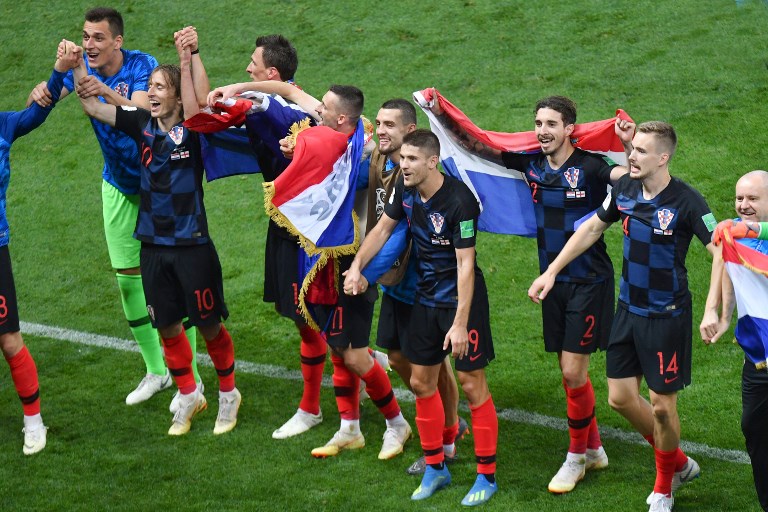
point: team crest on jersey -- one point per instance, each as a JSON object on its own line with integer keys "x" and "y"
{"x": 665, "y": 217}
{"x": 177, "y": 134}
{"x": 571, "y": 175}
{"x": 437, "y": 221}
{"x": 122, "y": 89}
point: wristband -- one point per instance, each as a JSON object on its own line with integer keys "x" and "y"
{"x": 763, "y": 233}
{"x": 195, "y": 52}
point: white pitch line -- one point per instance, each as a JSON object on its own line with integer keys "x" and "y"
{"x": 277, "y": 372}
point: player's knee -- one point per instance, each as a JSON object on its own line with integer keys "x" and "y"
{"x": 422, "y": 388}
{"x": 11, "y": 343}
{"x": 618, "y": 401}
{"x": 662, "y": 413}
{"x": 574, "y": 378}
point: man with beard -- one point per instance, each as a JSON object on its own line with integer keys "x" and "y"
{"x": 651, "y": 333}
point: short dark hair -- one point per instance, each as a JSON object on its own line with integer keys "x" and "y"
{"x": 113, "y": 17}
{"x": 351, "y": 98}
{"x": 424, "y": 140}
{"x": 406, "y": 108}
{"x": 279, "y": 53}
{"x": 664, "y": 133}
{"x": 565, "y": 106}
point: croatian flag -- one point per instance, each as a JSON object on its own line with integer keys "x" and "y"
{"x": 748, "y": 270}
{"x": 225, "y": 148}
{"x": 313, "y": 198}
{"x": 227, "y": 153}
{"x": 503, "y": 194}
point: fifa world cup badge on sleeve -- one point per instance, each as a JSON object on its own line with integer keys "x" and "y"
{"x": 467, "y": 228}
{"x": 709, "y": 221}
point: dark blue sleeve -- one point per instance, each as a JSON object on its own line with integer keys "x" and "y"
{"x": 274, "y": 123}
{"x": 388, "y": 254}
{"x": 363, "y": 174}
{"x": 18, "y": 124}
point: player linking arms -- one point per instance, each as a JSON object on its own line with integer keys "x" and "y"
{"x": 450, "y": 313}
{"x": 182, "y": 273}
{"x": 23, "y": 370}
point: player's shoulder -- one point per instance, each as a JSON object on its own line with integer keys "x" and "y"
{"x": 459, "y": 191}
{"x": 133, "y": 59}
{"x": 684, "y": 191}
{"x": 592, "y": 160}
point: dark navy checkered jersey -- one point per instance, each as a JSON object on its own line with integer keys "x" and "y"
{"x": 171, "y": 209}
{"x": 448, "y": 221}
{"x": 560, "y": 198}
{"x": 657, "y": 234}
{"x": 265, "y": 127}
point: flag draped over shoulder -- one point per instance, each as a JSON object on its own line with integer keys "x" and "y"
{"x": 313, "y": 198}
{"x": 225, "y": 149}
{"x": 228, "y": 153}
{"x": 748, "y": 270}
{"x": 504, "y": 196}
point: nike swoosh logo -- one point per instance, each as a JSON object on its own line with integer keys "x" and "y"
{"x": 667, "y": 381}
{"x": 203, "y": 316}
{"x": 1, "y": 323}
{"x": 474, "y": 358}
{"x": 148, "y": 134}
{"x": 622, "y": 208}
{"x": 585, "y": 343}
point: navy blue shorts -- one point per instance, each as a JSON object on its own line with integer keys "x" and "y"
{"x": 181, "y": 282}
{"x": 9, "y": 310}
{"x": 578, "y": 317}
{"x": 394, "y": 323}
{"x": 430, "y": 325}
{"x": 659, "y": 349}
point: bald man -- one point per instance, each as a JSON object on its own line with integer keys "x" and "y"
{"x": 752, "y": 208}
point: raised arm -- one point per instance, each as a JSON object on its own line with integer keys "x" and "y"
{"x": 461, "y": 136}
{"x": 288, "y": 91}
{"x": 188, "y": 98}
{"x": 188, "y": 38}
{"x": 625, "y": 130}
{"x": 102, "y": 112}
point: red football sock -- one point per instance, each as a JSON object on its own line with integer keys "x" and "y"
{"x": 581, "y": 412}
{"x": 450, "y": 433}
{"x": 222, "y": 353}
{"x": 346, "y": 386}
{"x": 313, "y": 353}
{"x": 430, "y": 419}
{"x": 178, "y": 357}
{"x": 24, "y": 375}
{"x": 680, "y": 457}
{"x": 485, "y": 424}
{"x": 665, "y": 470}
{"x": 593, "y": 440}
{"x": 379, "y": 388}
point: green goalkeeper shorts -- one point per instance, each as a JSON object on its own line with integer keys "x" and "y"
{"x": 120, "y": 214}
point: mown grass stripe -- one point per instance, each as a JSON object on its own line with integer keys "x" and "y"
{"x": 277, "y": 372}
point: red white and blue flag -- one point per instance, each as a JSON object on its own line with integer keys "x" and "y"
{"x": 504, "y": 196}
{"x": 748, "y": 270}
{"x": 313, "y": 198}
{"x": 225, "y": 148}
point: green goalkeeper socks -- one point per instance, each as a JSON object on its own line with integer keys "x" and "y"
{"x": 135, "y": 308}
